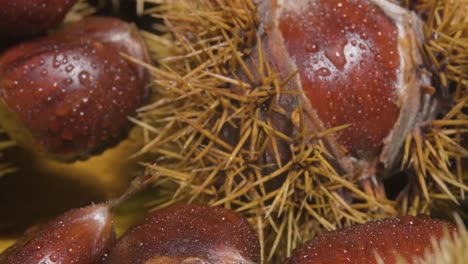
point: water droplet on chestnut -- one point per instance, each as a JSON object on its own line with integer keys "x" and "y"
{"x": 188, "y": 234}
{"x": 56, "y": 73}
{"x": 78, "y": 236}
{"x": 407, "y": 236}
{"x": 25, "y": 17}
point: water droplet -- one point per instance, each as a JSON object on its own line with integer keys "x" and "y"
{"x": 44, "y": 72}
{"x": 83, "y": 76}
{"x": 336, "y": 56}
{"x": 39, "y": 256}
{"x": 57, "y": 60}
{"x": 311, "y": 48}
{"x": 324, "y": 72}
{"x": 53, "y": 258}
{"x": 69, "y": 68}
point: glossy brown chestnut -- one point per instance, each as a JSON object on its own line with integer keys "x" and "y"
{"x": 347, "y": 68}
{"x": 26, "y": 17}
{"x": 70, "y": 97}
{"x": 78, "y": 236}
{"x": 407, "y": 237}
{"x": 188, "y": 234}
{"x": 357, "y": 63}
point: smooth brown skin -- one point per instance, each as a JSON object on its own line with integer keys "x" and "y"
{"x": 407, "y": 236}
{"x": 29, "y": 17}
{"x": 188, "y": 234}
{"x": 347, "y": 56}
{"x": 78, "y": 236}
{"x": 86, "y": 116}
{"x": 121, "y": 35}
{"x": 73, "y": 97}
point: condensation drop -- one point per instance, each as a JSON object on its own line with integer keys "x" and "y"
{"x": 84, "y": 76}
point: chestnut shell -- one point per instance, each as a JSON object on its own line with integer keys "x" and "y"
{"x": 407, "y": 236}
{"x": 69, "y": 94}
{"x": 78, "y": 236}
{"x": 27, "y": 17}
{"x": 379, "y": 123}
{"x": 188, "y": 233}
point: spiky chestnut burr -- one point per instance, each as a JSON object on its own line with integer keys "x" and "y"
{"x": 25, "y": 18}
{"x": 407, "y": 237}
{"x": 78, "y": 236}
{"x": 70, "y": 96}
{"x": 221, "y": 58}
{"x": 188, "y": 234}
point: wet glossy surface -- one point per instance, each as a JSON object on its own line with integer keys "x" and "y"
{"x": 74, "y": 97}
{"x": 190, "y": 233}
{"x": 108, "y": 30}
{"x": 408, "y": 236}
{"x": 28, "y": 17}
{"x": 80, "y": 236}
{"x": 347, "y": 55}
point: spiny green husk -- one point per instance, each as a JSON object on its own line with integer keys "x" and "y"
{"x": 209, "y": 132}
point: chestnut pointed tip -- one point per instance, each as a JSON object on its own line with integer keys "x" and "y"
{"x": 82, "y": 235}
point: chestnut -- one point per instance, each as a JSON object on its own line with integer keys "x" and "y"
{"x": 358, "y": 68}
{"x": 407, "y": 237}
{"x": 78, "y": 236}
{"x": 188, "y": 234}
{"x": 70, "y": 97}
{"x": 25, "y": 17}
